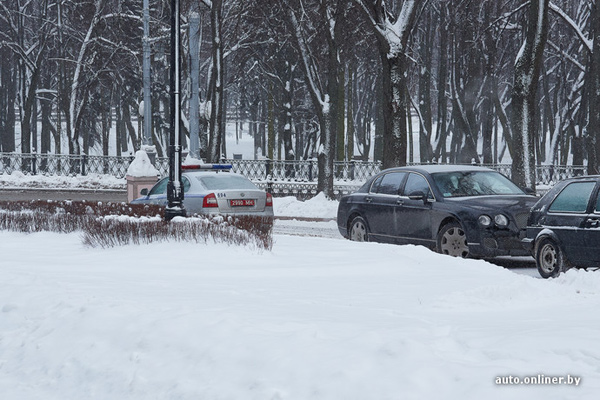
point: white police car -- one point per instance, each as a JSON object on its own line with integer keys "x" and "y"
{"x": 213, "y": 189}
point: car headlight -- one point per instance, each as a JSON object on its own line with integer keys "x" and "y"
{"x": 484, "y": 220}
{"x": 501, "y": 220}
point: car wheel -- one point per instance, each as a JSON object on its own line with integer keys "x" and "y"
{"x": 452, "y": 241}
{"x": 358, "y": 231}
{"x": 550, "y": 259}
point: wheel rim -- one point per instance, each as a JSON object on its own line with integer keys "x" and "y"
{"x": 548, "y": 258}
{"x": 358, "y": 232}
{"x": 454, "y": 243}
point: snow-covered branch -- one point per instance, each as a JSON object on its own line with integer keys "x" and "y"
{"x": 312, "y": 77}
{"x": 589, "y": 43}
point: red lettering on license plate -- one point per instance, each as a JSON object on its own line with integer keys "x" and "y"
{"x": 241, "y": 203}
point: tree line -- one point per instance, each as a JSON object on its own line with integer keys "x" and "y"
{"x": 454, "y": 81}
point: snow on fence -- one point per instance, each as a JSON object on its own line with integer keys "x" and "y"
{"x": 295, "y": 178}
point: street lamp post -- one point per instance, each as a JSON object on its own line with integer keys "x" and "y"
{"x": 175, "y": 207}
{"x": 147, "y": 109}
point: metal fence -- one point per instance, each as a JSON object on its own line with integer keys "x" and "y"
{"x": 65, "y": 165}
{"x": 298, "y": 178}
{"x": 303, "y": 171}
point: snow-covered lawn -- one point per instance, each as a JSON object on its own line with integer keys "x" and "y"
{"x": 17, "y": 179}
{"x": 315, "y": 318}
{"x": 317, "y": 207}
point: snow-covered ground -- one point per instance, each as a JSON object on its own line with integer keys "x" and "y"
{"x": 317, "y": 207}
{"x": 17, "y": 179}
{"x": 314, "y": 318}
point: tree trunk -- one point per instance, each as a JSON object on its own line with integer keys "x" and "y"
{"x": 379, "y": 123}
{"x": 350, "y": 116}
{"x": 393, "y": 32}
{"x": 8, "y": 96}
{"x": 424, "y": 104}
{"x": 216, "y": 126}
{"x": 395, "y": 108}
{"x": 270, "y": 124}
{"x": 28, "y": 113}
{"x": 195, "y": 36}
{"x": 527, "y": 72}
{"x": 341, "y": 102}
{"x": 442, "y": 78}
{"x": 594, "y": 94}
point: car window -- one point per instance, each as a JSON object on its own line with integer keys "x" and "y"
{"x": 598, "y": 204}
{"x": 224, "y": 181}
{"x": 390, "y": 184}
{"x": 161, "y": 186}
{"x": 474, "y": 183}
{"x": 186, "y": 184}
{"x": 417, "y": 183}
{"x": 376, "y": 183}
{"x": 573, "y": 198}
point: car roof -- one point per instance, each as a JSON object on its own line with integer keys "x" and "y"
{"x": 582, "y": 177}
{"x": 210, "y": 173}
{"x": 434, "y": 168}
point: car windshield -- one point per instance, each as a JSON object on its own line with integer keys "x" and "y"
{"x": 224, "y": 181}
{"x": 474, "y": 183}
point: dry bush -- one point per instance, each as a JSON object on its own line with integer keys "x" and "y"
{"x": 113, "y": 224}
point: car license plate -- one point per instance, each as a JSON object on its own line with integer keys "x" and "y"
{"x": 241, "y": 203}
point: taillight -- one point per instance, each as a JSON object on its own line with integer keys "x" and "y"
{"x": 210, "y": 201}
{"x": 269, "y": 202}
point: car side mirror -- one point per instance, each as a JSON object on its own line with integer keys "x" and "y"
{"x": 417, "y": 195}
{"x": 529, "y": 191}
{"x": 144, "y": 192}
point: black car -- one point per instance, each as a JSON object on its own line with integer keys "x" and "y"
{"x": 563, "y": 230}
{"x": 458, "y": 210}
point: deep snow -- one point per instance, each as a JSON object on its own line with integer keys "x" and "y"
{"x": 312, "y": 319}
{"x": 315, "y": 318}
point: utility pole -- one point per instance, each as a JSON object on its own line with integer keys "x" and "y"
{"x": 195, "y": 77}
{"x": 175, "y": 207}
{"x": 147, "y": 132}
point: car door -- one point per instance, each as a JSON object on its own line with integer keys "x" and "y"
{"x": 568, "y": 217}
{"x": 158, "y": 193}
{"x": 414, "y": 216}
{"x": 592, "y": 233}
{"x": 382, "y": 203}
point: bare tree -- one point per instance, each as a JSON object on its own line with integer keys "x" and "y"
{"x": 27, "y": 34}
{"x": 393, "y": 30}
{"x": 527, "y": 71}
{"x": 324, "y": 95}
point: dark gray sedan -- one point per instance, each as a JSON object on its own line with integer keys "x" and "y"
{"x": 458, "y": 210}
{"x": 214, "y": 191}
{"x": 564, "y": 227}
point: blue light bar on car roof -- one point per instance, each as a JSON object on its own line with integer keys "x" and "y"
{"x": 208, "y": 166}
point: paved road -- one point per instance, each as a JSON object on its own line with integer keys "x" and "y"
{"x": 326, "y": 229}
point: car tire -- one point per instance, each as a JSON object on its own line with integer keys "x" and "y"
{"x": 550, "y": 259}
{"x": 358, "y": 230}
{"x": 452, "y": 241}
